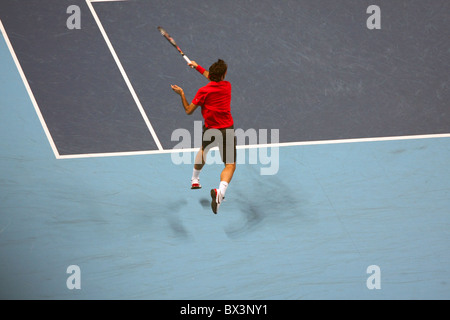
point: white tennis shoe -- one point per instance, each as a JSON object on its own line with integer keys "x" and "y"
{"x": 195, "y": 184}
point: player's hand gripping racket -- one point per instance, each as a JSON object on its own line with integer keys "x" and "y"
{"x": 170, "y": 39}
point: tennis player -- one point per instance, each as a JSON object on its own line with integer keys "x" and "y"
{"x": 218, "y": 129}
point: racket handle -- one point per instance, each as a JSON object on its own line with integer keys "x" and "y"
{"x": 186, "y": 58}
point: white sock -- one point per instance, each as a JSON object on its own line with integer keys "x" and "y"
{"x": 223, "y": 188}
{"x": 196, "y": 174}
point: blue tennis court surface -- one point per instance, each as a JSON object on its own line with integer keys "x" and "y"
{"x": 87, "y": 171}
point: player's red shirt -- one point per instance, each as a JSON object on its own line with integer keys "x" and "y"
{"x": 215, "y": 100}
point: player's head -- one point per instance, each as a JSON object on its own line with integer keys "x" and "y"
{"x": 218, "y": 70}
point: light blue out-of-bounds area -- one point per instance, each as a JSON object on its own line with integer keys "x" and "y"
{"x": 136, "y": 230}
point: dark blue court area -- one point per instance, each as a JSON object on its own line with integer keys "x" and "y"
{"x": 310, "y": 68}
{"x": 87, "y": 170}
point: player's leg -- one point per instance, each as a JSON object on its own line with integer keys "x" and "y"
{"x": 200, "y": 160}
{"x": 228, "y": 151}
{"x": 228, "y": 172}
{"x": 219, "y": 194}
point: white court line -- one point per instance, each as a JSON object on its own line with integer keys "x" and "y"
{"x": 254, "y": 146}
{"x": 122, "y": 71}
{"x": 30, "y": 92}
{"x": 124, "y": 75}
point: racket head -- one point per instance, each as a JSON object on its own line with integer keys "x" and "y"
{"x": 166, "y": 35}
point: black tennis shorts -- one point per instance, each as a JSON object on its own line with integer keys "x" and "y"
{"x": 224, "y": 138}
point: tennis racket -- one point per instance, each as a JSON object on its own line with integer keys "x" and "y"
{"x": 172, "y": 42}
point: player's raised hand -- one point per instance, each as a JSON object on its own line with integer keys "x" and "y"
{"x": 193, "y": 64}
{"x": 177, "y": 89}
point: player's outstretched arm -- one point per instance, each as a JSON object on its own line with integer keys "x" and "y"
{"x": 189, "y": 108}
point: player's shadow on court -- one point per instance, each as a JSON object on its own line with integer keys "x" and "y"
{"x": 174, "y": 221}
{"x": 256, "y": 197}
